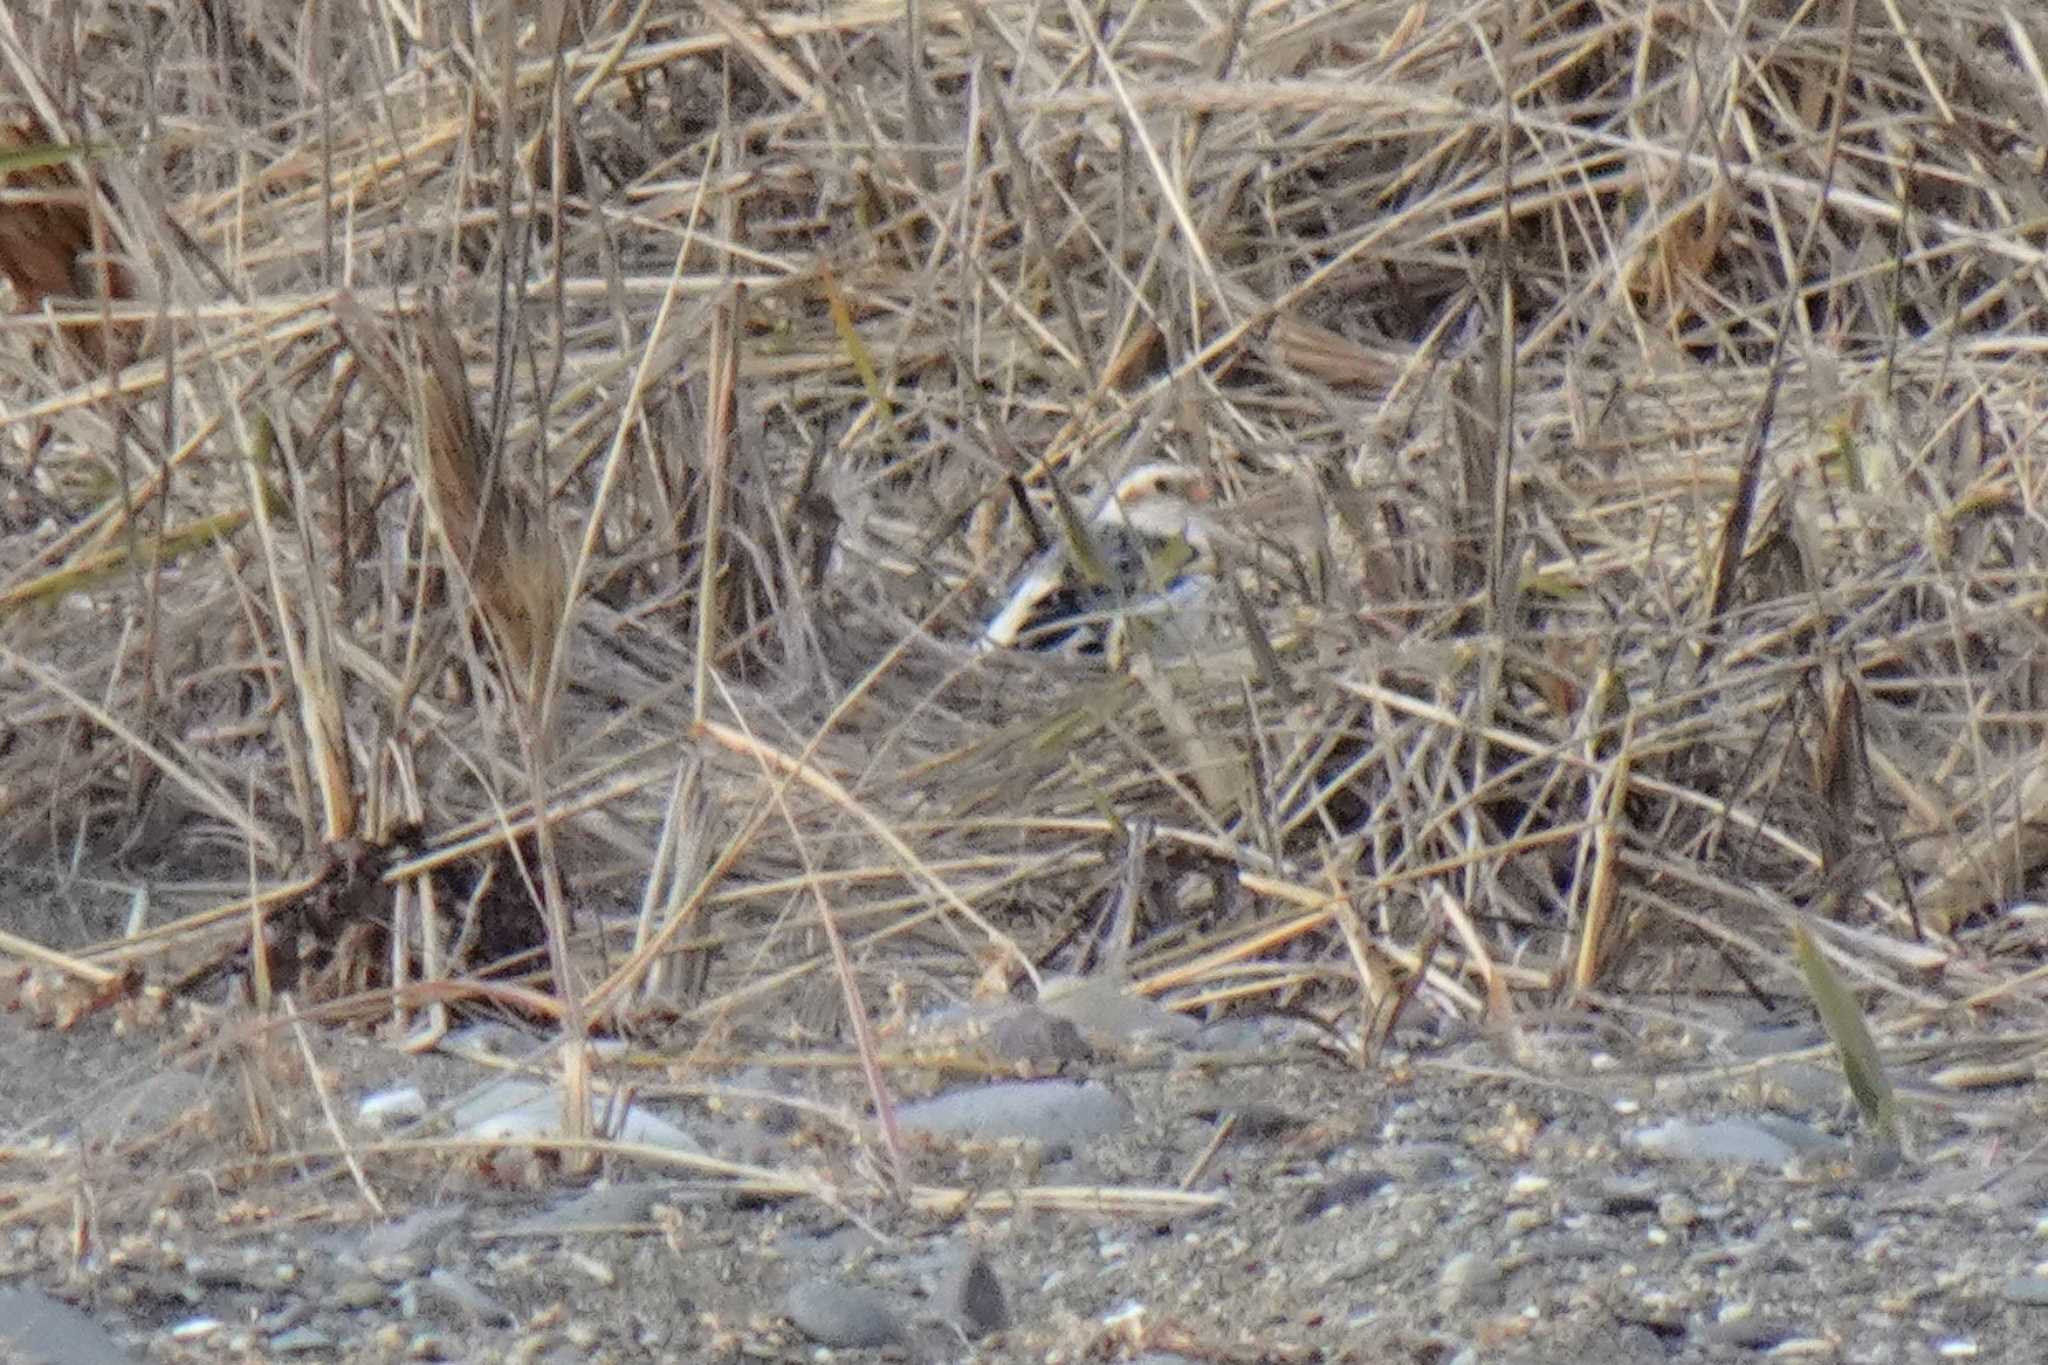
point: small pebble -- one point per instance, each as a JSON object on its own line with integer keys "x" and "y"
{"x": 301, "y": 1341}
{"x": 388, "y": 1109}
{"x": 1468, "y": 1280}
{"x": 1757, "y": 1334}
{"x": 1677, "y": 1212}
{"x": 1353, "y": 1187}
{"x": 450, "y": 1287}
{"x": 2030, "y": 1291}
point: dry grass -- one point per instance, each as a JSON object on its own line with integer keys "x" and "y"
{"x": 1626, "y": 417}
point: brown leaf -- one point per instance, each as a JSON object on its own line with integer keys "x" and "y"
{"x": 52, "y": 250}
{"x": 501, "y": 544}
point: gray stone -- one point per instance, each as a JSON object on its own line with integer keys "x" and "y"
{"x": 834, "y": 1314}
{"x": 36, "y": 1329}
{"x": 1753, "y": 1142}
{"x": 518, "y": 1108}
{"x": 972, "y": 1296}
{"x": 414, "y": 1235}
{"x": 1029, "y": 1034}
{"x": 1045, "y": 1111}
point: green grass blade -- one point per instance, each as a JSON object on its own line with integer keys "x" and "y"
{"x": 1843, "y": 1019}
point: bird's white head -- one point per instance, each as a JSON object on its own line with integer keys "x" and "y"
{"x": 1161, "y": 500}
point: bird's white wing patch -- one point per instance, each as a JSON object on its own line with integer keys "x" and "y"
{"x": 1039, "y": 581}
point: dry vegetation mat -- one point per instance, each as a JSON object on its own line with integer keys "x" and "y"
{"x": 499, "y": 504}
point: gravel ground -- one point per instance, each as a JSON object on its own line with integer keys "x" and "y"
{"x": 1665, "y": 1192}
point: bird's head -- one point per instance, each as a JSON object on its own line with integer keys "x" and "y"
{"x": 1160, "y": 500}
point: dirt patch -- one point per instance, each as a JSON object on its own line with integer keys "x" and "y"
{"x": 1451, "y": 1204}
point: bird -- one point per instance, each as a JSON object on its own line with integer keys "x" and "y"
{"x": 1151, "y": 547}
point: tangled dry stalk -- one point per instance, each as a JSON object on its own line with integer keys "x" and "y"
{"x": 1626, "y": 416}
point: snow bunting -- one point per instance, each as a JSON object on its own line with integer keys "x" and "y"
{"x": 1152, "y": 546}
